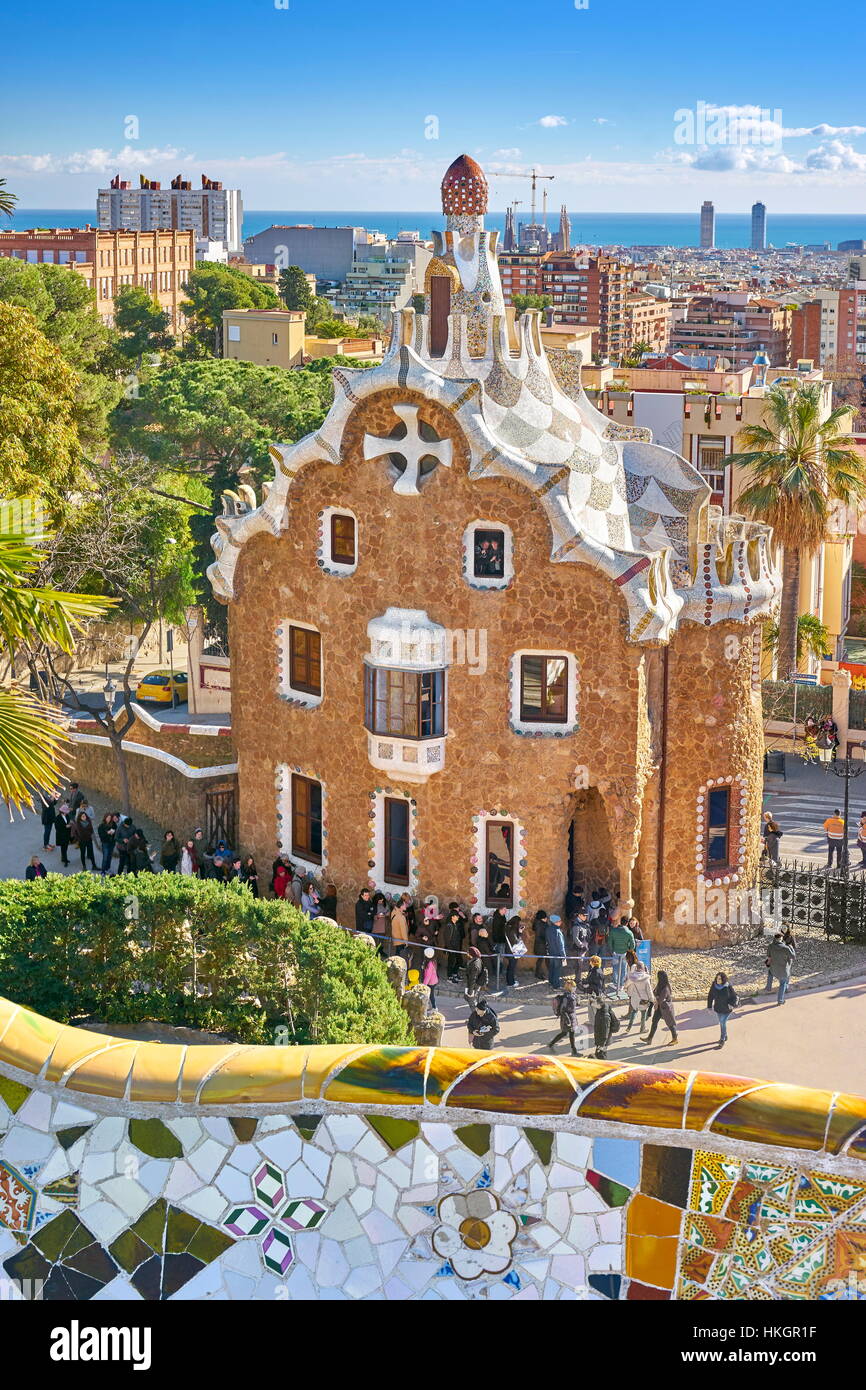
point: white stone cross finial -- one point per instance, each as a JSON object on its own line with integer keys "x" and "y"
{"x": 413, "y": 448}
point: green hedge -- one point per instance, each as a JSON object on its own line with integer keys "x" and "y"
{"x": 189, "y": 953}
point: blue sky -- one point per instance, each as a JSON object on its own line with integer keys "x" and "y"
{"x": 329, "y": 104}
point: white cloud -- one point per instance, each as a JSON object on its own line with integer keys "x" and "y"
{"x": 835, "y": 155}
{"x": 513, "y": 153}
{"x": 795, "y": 132}
{"x": 550, "y": 122}
{"x": 600, "y": 120}
{"x": 95, "y": 161}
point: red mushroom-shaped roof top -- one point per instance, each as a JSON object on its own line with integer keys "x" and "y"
{"x": 464, "y": 188}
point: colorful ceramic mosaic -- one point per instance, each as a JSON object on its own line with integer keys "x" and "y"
{"x": 140, "y": 1170}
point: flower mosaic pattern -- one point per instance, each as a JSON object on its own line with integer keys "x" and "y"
{"x": 274, "y": 1218}
{"x": 475, "y": 1234}
{"x": 17, "y": 1199}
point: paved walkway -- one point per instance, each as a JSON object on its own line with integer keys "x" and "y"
{"x": 803, "y": 802}
{"x": 817, "y": 1038}
{"x": 21, "y": 837}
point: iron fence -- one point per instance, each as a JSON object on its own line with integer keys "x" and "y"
{"x": 810, "y": 899}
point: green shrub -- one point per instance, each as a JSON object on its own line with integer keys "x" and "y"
{"x": 189, "y": 953}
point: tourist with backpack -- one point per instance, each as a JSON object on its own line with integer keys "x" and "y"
{"x": 565, "y": 1009}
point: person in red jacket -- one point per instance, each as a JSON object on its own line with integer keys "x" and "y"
{"x": 281, "y": 880}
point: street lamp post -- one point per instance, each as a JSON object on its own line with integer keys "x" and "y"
{"x": 850, "y": 769}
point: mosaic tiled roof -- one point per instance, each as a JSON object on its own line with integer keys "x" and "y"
{"x": 614, "y": 500}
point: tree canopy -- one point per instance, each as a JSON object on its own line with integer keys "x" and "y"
{"x": 294, "y": 289}
{"x": 142, "y": 326}
{"x": 64, "y": 307}
{"x": 214, "y": 417}
{"x": 40, "y": 448}
{"x": 211, "y": 289}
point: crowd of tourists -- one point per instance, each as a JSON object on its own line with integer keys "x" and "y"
{"x": 480, "y": 950}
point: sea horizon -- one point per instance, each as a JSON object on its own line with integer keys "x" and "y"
{"x": 625, "y": 229}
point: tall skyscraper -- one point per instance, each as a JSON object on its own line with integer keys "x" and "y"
{"x": 210, "y": 211}
{"x": 708, "y": 226}
{"x": 564, "y": 230}
{"x": 759, "y": 227}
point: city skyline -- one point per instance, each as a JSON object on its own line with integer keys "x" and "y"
{"x": 334, "y": 143}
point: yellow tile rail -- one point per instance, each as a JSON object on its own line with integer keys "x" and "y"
{"x": 499, "y": 1083}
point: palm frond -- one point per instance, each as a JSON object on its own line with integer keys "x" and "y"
{"x": 31, "y": 743}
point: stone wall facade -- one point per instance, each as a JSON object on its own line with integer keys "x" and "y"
{"x": 172, "y": 793}
{"x": 603, "y": 776}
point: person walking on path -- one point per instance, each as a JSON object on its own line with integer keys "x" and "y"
{"x": 861, "y": 839}
{"x": 664, "y": 1008}
{"x": 49, "y": 810}
{"x": 169, "y": 854}
{"x": 483, "y": 1025}
{"x": 453, "y": 934}
{"x": 722, "y": 1000}
{"x": 780, "y": 958}
{"x": 835, "y": 830}
{"x": 35, "y": 869}
{"x": 621, "y": 940}
{"x": 555, "y": 949}
{"x": 565, "y": 1008}
{"x": 516, "y": 948}
{"x": 639, "y": 992}
{"x": 604, "y": 1024}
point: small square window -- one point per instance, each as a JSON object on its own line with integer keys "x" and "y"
{"x": 544, "y": 689}
{"x": 234, "y": 333}
{"x": 488, "y": 560}
{"x": 342, "y": 539}
{"x": 305, "y": 660}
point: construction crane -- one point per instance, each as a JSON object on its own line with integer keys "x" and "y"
{"x": 534, "y": 176}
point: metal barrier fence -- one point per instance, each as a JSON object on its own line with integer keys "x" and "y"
{"x": 809, "y": 898}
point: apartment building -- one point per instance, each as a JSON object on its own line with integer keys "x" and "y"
{"x": 383, "y": 276}
{"x": 648, "y": 320}
{"x": 211, "y": 211}
{"x": 158, "y": 261}
{"x": 327, "y": 253}
{"x": 736, "y": 326}
{"x": 583, "y": 289}
{"x": 699, "y": 413}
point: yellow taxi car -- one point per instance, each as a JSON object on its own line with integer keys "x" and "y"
{"x": 157, "y": 686}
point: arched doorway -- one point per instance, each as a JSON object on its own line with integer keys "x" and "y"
{"x": 591, "y": 857}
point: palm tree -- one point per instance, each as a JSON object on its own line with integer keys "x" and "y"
{"x": 7, "y": 199}
{"x": 31, "y": 734}
{"x": 800, "y": 465}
